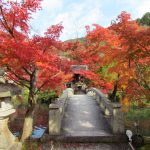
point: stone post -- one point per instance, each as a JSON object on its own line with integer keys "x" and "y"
{"x": 117, "y": 120}
{"x": 69, "y": 91}
{"x": 98, "y": 99}
{"x": 107, "y": 113}
{"x": 7, "y": 139}
{"x": 54, "y": 119}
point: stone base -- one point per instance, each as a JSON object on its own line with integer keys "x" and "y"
{"x": 15, "y": 146}
{"x": 6, "y": 137}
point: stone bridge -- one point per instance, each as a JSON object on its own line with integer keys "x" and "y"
{"x": 82, "y": 118}
{"x": 87, "y": 117}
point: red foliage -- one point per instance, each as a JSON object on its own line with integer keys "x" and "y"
{"x": 124, "y": 46}
{"x": 32, "y": 62}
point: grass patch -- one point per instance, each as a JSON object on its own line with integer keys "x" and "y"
{"x": 135, "y": 113}
{"x": 31, "y": 146}
{"x": 145, "y": 147}
{"x": 140, "y": 115}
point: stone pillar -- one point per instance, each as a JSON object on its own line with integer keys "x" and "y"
{"x": 102, "y": 105}
{"x": 54, "y": 119}
{"x": 94, "y": 95}
{"x": 117, "y": 120}
{"x": 69, "y": 92}
{"x": 107, "y": 113}
{"x": 7, "y": 139}
{"x": 98, "y": 99}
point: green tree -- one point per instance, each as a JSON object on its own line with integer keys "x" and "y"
{"x": 145, "y": 20}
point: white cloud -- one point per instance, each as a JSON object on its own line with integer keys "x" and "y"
{"x": 80, "y": 15}
{"x": 137, "y": 7}
{"x": 143, "y": 7}
{"x": 44, "y": 18}
{"x": 75, "y": 14}
{"x": 52, "y": 4}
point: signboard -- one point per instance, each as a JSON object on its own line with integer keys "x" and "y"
{"x": 78, "y": 67}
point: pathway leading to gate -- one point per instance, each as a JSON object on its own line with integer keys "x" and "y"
{"x": 84, "y": 118}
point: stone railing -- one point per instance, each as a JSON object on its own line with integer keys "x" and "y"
{"x": 112, "y": 110}
{"x": 57, "y": 110}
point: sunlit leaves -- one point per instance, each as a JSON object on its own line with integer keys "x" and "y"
{"x": 124, "y": 50}
{"x": 34, "y": 62}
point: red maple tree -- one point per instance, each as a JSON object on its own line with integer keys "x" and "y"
{"x": 33, "y": 62}
{"x": 125, "y": 46}
{"x": 30, "y": 61}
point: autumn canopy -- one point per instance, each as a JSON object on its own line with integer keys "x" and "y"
{"x": 117, "y": 56}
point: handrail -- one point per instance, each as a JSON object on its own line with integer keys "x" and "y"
{"x": 112, "y": 110}
{"x": 57, "y": 111}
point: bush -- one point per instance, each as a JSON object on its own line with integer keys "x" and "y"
{"x": 21, "y": 99}
{"x": 136, "y": 113}
{"x": 31, "y": 146}
{"x": 46, "y": 97}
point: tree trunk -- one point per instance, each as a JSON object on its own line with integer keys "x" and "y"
{"x": 27, "y": 128}
{"x": 32, "y": 89}
{"x": 113, "y": 96}
{"x": 28, "y": 123}
{"x": 114, "y": 93}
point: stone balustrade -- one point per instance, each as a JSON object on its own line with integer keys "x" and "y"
{"x": 112, "y": 110}
{"x": 57, "y": 111}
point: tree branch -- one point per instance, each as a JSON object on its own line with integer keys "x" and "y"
{"x": 17, "y": 76}
{"x": 136, "y": 80}
{"x": 13, "y": 25}
{"x": 142, "y": 78}
{"x": 20, "y": 83}
{"x": 5, "y": 24}
{"x": 44, "y": 83}
{"x": 27, "y": 71}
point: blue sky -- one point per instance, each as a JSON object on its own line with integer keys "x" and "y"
{"x": 76, "y": 14}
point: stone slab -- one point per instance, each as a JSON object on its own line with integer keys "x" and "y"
{"x": 5, "y": 94}
{"x": 15, "y": 146}
{"x": 83, "y": 117}
{"x": 6, "y": 113}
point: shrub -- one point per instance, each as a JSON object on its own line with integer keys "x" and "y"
{"x": 46, "y": 97}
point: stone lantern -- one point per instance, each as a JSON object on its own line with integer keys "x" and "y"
{"x": 7, "y": 139}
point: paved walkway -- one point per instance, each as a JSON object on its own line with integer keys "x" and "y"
{"x": 84, "y": 127}
{"x": 83, "y": 117}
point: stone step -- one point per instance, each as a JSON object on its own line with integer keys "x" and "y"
{"x": 85, "y": 146}
{"x": 86, "y": 138}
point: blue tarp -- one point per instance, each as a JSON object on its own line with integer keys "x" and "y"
{"x": 38, "y": 132}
